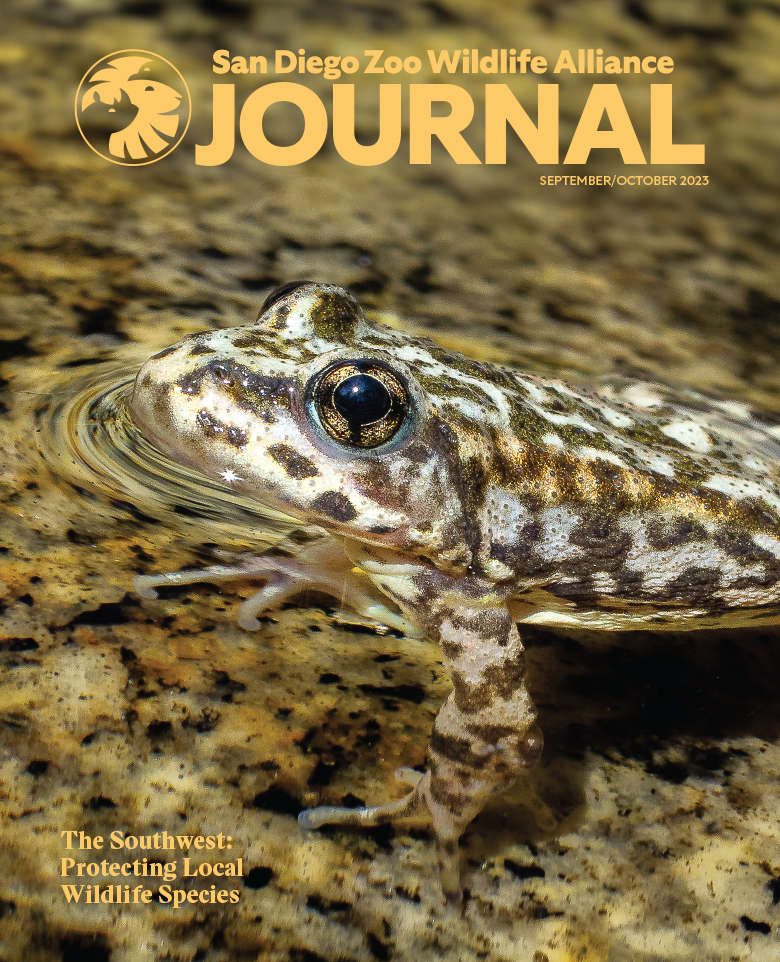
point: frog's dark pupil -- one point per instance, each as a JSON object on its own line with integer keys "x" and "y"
{"x": 361, "y": 399}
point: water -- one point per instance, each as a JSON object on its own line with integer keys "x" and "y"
{"x": 87, "y": 437}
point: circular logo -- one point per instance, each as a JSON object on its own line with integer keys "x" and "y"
{"x": 133, "y": 107}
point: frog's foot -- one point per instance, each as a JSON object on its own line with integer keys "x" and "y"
{"x": 321, "y": 566}
{"x": 410, "y": 804}
{"x": 451, "y": 790}
{"x": 453, "y": 797}
{"x": 416, "y": 802}
{"x": 290, "y": 577}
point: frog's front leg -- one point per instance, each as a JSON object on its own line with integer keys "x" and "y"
{"x": 484, "y": 736}
{"x": 321, "y": 566}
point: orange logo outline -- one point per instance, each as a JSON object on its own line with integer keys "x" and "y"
{"x": 172, "y": 147}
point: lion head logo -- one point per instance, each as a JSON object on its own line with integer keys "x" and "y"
{"x": 150, "y": 115}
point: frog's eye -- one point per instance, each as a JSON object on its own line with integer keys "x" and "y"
{"x": 278, "y": 293}
{"x": 361, "y": 403}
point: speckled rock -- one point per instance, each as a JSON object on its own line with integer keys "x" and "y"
{"x": 650, "y": 829}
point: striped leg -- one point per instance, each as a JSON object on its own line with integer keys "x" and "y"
{"x": 482, "y": 739}
{"x": 486, "y": 732}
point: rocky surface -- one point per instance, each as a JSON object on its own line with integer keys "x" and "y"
{"x": 650, "y": 829}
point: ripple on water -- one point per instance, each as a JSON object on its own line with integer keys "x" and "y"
{"x": 89, "y": 442}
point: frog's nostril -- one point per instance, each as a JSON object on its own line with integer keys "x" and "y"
{"x": 221, "y": 373}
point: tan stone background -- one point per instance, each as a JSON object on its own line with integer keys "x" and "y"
{"x": 650, "y": 829}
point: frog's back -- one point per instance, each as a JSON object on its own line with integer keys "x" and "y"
{"x": 625, "y": 507}
{"x": 632, "y": 506}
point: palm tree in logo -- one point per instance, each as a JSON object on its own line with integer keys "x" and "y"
{"x": 154, "y": 101}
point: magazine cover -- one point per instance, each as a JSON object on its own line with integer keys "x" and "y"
{"x": 390, "y": 542}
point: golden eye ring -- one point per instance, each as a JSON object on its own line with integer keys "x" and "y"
{"x": 361, "y": 403}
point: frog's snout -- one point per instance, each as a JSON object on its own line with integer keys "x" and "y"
{"x": 150, "y": 401}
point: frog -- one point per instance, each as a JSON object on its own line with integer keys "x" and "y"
{"x": 466, "y": 500}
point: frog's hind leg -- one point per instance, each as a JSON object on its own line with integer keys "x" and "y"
{"x": 450, "y": 792}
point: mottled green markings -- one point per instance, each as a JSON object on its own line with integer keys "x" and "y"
{"x": 296, "y": 465}
{"x": 335, "y": 505}
{"x": 247, "y": 389}
{"x": 165, "y": 352}
{"x": 276, "y": 319}
{"x": 255, "y": 342}
{"x": 336, "y": 317}
{"x": 200, "y": 349}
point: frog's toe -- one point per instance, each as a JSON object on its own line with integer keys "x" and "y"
{"x": 410, "y": 804}
{"x": 144, "y": 585}
{"x": 379, "y": 619}
{"x": 413, "y": 803}
{"x": 383, "y": 614}
{"x": 279, "y": 589}
{"x": 314, "y": 818}
{"x": 247, "y": 621}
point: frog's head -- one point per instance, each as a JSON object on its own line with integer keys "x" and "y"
{"x": 315, "y": 412}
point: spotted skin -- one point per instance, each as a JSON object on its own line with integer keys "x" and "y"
{"x": 501, "y": 499}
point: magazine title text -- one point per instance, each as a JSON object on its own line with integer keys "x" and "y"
{"x": 441, "y": 111}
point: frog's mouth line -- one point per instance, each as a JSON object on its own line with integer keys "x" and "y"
{"x": 339, "y": 518}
